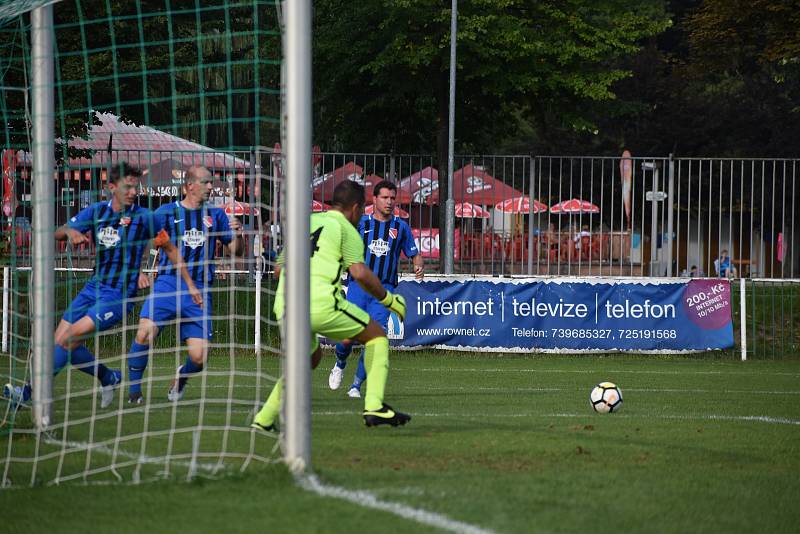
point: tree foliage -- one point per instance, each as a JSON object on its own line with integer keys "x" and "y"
{"x": 210, "y": 75}
{"x": 381, "y": 68}
{"x": 692, "y": 77}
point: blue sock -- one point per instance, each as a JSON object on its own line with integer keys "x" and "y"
{"x": 342, "y": 352}
{"x": 84, "y": 361}
{"x": 60, "y": 359}
{"x": 137, "y": 363}
{"x": 187, "y": 369}
{"x": 361, "y": 372}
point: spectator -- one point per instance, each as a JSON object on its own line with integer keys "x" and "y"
{"x": 724, "y": 266}
{"x": 694, "y": 272}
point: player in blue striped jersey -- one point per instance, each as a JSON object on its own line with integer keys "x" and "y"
{"x": 196, "y": 227}
{"x": 121, "y": 231}
{"x": 385, "y": 237}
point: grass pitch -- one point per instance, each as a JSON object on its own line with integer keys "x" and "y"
{"x": 504, "y": 443}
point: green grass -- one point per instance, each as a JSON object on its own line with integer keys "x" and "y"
{"x": 508, "y": 443}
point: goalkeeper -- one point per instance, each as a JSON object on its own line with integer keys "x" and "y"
{"x": 336, "y": 246}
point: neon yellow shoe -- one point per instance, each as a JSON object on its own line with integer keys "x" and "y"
{"x": 272, "y": 429}
{"x": 385, "y": 416}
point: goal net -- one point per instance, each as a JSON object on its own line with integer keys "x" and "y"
{"x": 162, "y": 86}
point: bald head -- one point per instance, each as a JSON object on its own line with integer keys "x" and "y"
{"x": 196, "y": 173}
{"x": 197, "y": 186}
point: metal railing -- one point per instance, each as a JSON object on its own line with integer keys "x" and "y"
{"x": 610, "y": 216}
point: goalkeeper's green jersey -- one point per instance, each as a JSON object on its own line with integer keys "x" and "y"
{"x": 335, "y": 246}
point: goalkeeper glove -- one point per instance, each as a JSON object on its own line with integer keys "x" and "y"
{"x": 395, "y": 303}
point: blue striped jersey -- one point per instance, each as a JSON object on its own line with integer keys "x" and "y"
{"x": 195, "y": 232}
{"x": 383, "y": 243}
{"x": 120, "y": 239}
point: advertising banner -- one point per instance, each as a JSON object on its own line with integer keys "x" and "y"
{"x": 573, "y": 315}
{"x": 427, "y": 241}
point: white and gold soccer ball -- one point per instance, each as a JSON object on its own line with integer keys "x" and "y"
{"x": 606, "y": 397}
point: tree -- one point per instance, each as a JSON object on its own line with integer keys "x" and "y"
{"x": 381, "y": 68}
{"x": 210, "y": 78}
{"x": 741, "y": 78}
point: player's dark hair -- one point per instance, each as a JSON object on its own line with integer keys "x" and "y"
{"x": 383, "y": 184}
{"x": 348, "y": 193}
{"x": 121, "y": 170}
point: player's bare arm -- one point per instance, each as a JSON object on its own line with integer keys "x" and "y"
{"x": 75, "y": 237}
{"x": 236, "y": 246}
{"x": 419, "y": 266}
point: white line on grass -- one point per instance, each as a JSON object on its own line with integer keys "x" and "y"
{"x": 740, "y": 418}
{"x": 627, "y": 390}
{"x": 484, "y": 416}
{"x": 368, "y": 500}
{"x": 583, "y": 371}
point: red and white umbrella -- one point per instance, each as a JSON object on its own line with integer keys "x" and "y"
{"x": 317, "y": 206}
{"x": 398, "y": 212}
{"x": 467, "y": 209}
{"x": 520, "y": 205}
{"x": 575, "y": 206}
{"x": 324, "y": 185}
{"x": 237, "y": 208}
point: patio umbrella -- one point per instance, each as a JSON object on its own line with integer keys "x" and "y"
{"x": 324, "y": 185}
{"x": 520, "y": 205}
{"x": 469, "y": 210}
{"x": 419, "y": 188}
{"x": 398, "y": 212}
{"x": 317, "y": 206}
{"x": 474, "y": 184}
{"x": 574, "y": 206}
{"x": 236, "y": 208}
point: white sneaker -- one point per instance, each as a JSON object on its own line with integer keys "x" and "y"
{"x": 335, "y": 378}
{"x": 174, "y": 394}
{"x": 354, "y": 393}
{"x": 107, "y": 392}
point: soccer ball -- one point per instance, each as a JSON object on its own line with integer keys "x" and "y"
{"x": 606, "y": 398}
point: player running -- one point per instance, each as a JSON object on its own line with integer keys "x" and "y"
{"x": 120, "y": 230}
{"x": 197, "y": 227}
{"x": 335, "y": 247}
{"x": 385, "y": 237}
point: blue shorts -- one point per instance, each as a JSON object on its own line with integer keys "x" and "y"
{"x": 104, "y": 304}
{"x": 165, "y": 303}
{"x": 377, "y": 311}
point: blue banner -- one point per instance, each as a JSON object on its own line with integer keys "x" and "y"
{"x": 566, "y": 315}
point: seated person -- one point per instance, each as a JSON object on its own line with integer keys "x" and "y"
{"x": 693, "y": 272}
{"x": 579, "y": 235}
{"x": 724, "y": 266}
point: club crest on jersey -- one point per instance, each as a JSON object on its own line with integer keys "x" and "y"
{"x": 208, "y": 221}
{"x": 194, "y": 238}
{"x": 378, "y": 247}
{"x": 124, "y": 221}
{"x": 108, "y": 237}
{"x": 393, "y": 233}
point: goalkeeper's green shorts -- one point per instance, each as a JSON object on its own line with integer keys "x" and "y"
{"x": 345, "y": 322}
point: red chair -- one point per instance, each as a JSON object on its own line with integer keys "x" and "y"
{"x": 568, "y": 251}
{"x": 519, "y": 247}
{"x": 600, "y": 247}
{"x": 470, "y": 246}
{"x": 548, "y": 247}
{"x": 490, "y": 246}
{"x": 586, "y": 248}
